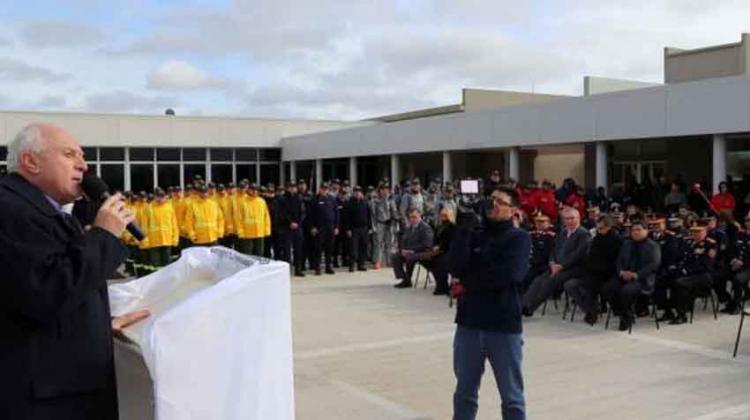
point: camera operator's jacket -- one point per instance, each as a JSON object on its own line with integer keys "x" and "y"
{"x": 491, "y": 261}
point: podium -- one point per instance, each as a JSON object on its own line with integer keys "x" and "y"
{"x": 218, "y": 344}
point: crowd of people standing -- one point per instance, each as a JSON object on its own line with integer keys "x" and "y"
{"x": 635, "y": 246}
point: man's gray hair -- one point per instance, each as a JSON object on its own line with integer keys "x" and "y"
{"x": 28, "y": 139}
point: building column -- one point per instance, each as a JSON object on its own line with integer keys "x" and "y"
{"x": 353, "y": 171}
{"x": 282, "y": 174}
{"x": 395, "y": 171}
{"x": 601, "y": 165}
{"x": 126, "y": 172}
{"x": 318, "y": 173}
{"x": 511, "y": 163}
{"x": 447, "y": 168}
{"x": 293, "y": 170}
{"x": 719, "y": 161}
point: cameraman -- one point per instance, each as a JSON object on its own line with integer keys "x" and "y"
{"x": 491, "y": 261}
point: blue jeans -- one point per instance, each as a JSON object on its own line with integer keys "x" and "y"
{"x": 470, "y": 349}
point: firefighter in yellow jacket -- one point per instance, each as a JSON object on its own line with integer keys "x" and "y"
{"x": 140, "y": 210}
{"x": 204, "y": 220}
{"x": 227, "y": 199}
{"x": 252, "y": 221}
{"x": 179, "y": 204}
{"x": 162, "y": 231}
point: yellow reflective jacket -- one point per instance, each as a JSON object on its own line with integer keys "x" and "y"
{"x": 204, "y": 221}
{"x": 252, "y": 218}
{"x": 126, "y": 237}
{"x": 179, "y": 204}
{"x": 141, "y": 209}
{"x": 162, "y": 228}
{"x": 228, "y": 203}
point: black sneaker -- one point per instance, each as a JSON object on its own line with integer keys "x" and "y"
{"x": 667, "y": 316}
{"x": 351, "y": 269}
{"x": 361, "y": 268}
{"x": 439, "y": 292}
{"x": 625, "y": 323}
{"x": 591, "y": 318}
{"x": 329, "y": 270}
{"x": 318, "y": 272}
{"x": 679, "y": 320}
{"x": 299, "y": 274}
{"x": 403, "y": 285}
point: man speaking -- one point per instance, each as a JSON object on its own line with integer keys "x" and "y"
{"x": 490, "y": 262}
{"x": 56, "y": 353}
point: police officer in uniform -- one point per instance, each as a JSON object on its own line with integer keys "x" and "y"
{"x": 696, "y": 271}
{"x": 671, "y": 248}
{"x": 323, "y": 222}
{"x": 358, "y": 227}
{"x": 542, "y": 242}
{"x": 291, "y": 216}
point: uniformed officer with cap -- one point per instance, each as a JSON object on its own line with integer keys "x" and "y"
{"x": 291, "y": 216}
{"x": 698, "y": 265}
{"x": 358, "y": 226}
{"x": 323, "y": 223}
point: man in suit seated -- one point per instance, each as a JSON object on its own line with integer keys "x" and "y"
{"x": 566, "y": 262}
{"x": 598, "y": 269}
{"x": 637, "y": 264}
{"x": 416, "y": 241}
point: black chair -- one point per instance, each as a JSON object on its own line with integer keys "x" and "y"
{"x": 427, "y": 275}
{"x": 652, "y": 310}
{"x": 706, "y": 295}
{"x": 743, "y": 313}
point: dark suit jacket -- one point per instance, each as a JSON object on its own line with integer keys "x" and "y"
{"x": 55, "y": 328}
{"x": 571, "y": 252}
{"x": 647, "y": 264}
{"x": 417, "y": 238}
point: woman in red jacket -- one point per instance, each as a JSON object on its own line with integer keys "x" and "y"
{"x": 724, "y": 200}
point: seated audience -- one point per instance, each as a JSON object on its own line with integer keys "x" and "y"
{"x": 566, "y": 262}
{"x": 637, "y": 263}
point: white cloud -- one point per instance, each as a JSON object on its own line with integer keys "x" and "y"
{"x": 176, "y": 75}
{"x": 354, "y": 59}
{"x": 124, "y": 101}
{"x": 19, "y": 71}
{"x": 59, "y": 34}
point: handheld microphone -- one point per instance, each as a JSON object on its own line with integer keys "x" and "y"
{"x": 97, "y": 190}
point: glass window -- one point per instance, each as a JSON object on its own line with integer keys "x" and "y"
{"x": 169, "y": 175}
{"x": 246, "y": 155}
{"x": 142, "y": 178}
{"x": 111, "y": 154}
{"x": 89, "y": 153}
{"x": 192, "y": 170}
{"x": 141, "y": 154}
{"x": 168, "y": 154}
{"x": 270, "y": 155}
{"x": 221, "y": 174}
{"x": 194, "y": 154}
{"x": 246, "y": 171}
{"x": 269, "y": 173}
{"x": 221, "y": 155}
{"x": 114, "y": 176}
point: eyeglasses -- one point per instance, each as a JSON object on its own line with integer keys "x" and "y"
{"x": 501, "y": 201}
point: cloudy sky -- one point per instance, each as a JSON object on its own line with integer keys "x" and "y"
{"x": 332, "y": 59}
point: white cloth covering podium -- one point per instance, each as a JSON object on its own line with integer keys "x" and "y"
{"x": 218, "y": 344}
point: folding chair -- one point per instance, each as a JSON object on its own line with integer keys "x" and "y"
{"x": 426, "y": 276}
{"x": 706, "y": 296}
{"x": 743, "y": 313}
{"x": 652, "y": 309}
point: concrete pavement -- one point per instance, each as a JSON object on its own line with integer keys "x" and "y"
{"x": 364, "y": 350}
